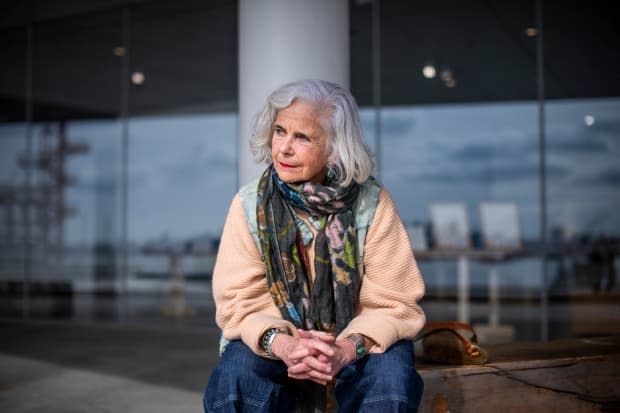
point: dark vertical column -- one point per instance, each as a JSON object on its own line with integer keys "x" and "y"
{"x": 376, "y": 79}
{"x": 126, "y": 38}
{"x": 540, "y": 83}
{"x": 27, "y": 201}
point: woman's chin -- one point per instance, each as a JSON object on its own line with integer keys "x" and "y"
{"x": 289, "y": 177}
{"x": 292, "y": 181}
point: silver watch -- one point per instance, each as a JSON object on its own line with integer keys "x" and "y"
{"x": 360, "y": 345}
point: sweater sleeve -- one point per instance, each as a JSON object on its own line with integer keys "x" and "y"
{"x": 244, "y": 308}
{"x": 392, "y": 284}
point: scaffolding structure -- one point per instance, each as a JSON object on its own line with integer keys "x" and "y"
{"x": 35, "y": 211}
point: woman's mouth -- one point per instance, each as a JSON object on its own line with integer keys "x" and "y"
{"x": 285, "y": 165}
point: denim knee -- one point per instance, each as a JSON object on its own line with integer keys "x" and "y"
{"x": 385, "y": 382}
{"x": 243, "y": 381}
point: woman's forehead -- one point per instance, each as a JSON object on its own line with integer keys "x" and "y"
{"x": 300, "y": 108}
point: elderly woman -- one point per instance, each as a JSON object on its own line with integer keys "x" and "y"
{"x": 315, "y": 284}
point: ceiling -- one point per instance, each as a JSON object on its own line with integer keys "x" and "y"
{"x": 187, "y": 50}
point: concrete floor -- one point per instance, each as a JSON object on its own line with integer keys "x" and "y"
{"x": 67, "y": 367}
{"x": 88, "y": 359}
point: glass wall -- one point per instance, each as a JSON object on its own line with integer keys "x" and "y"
{"x": 118, "y": 160}
{"x": 582, "y": 130}
{"x": 496, "y": 133}
{"x": 506, "y": 180}
{"x": 14, "y": 145}
{"x": 181, "y": 153}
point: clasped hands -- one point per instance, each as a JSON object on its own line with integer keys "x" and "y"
{"x": 313, "y": 355}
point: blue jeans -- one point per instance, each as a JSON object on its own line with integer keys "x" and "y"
{"x": 382, "y": 383}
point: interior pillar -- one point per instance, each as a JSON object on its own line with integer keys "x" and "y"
{"x": 281, "y": 41}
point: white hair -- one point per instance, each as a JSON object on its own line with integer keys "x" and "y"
{"x": 349, "y": 157}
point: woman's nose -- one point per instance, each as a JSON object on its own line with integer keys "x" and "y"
{"x": 287, "y": 145}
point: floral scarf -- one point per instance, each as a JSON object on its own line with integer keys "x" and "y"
{"x": 330, "y": 302}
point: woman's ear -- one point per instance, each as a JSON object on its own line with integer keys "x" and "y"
{"x": 334, "y": 169}
{"x": 332, "y": 159}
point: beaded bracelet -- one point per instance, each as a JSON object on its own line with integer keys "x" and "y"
{"x": 268, "y": 338}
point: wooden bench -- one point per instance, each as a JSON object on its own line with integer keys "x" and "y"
{"x": 579, "y": 375}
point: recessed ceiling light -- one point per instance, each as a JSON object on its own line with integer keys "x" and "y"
{"x": 137, "y": 78}
{"x": 589, "y": 120}
{"x": 119, "y": 51}
{"x": 429, "y": 71}
{"x": 446, "y": 74}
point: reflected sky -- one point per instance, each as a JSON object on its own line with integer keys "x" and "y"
{"x": 182, "y": 169}
{"x": 489, "y": 152}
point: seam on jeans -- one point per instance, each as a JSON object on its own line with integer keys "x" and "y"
{"x": 236, "y": 397}
{"x": 384, "y": 398}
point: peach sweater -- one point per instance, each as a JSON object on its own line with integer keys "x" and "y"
{"x": 391, "y": 286}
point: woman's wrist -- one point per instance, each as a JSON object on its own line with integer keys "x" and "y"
{"x": 359, "y": 346}
{"x": 267, "y": 340}
{"x": 348, "y": 350}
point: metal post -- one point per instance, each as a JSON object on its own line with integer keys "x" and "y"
{"x": 27, "y": 257}
{"x": 376, "y": 80}
{"x": 124, "y": 111}
{"x": 540, "y": 75}
{"x": 493, "y": 297}
{"x": 463, "y": 288}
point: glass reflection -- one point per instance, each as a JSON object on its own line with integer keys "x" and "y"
{"x": 479, "y": 153}
{"x": 583, "y": 148}
{"x": 182, "y": 175}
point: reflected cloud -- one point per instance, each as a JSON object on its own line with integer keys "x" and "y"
{"x": 138, "y": 179}
{"x": 601, "y": 137}
{"x": 475, "y": 153}
{"x": 494, "y": 174}
{"x": 221, "y": 161}
{"x": 96, "y": 185}
{"x": 606, "y": 127}
{"x": 609, "y": 177}
{"x": 197, "y": 171}
{"x": 525, "y": 147}
{"x": 558, "y": 146}
{"x": 397, "y": 127}
{"x": 395, "y": 123}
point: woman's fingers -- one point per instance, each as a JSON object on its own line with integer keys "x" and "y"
{"x": 303, "y": 347}
{"x": 309, "y": 355}
{"x": 323, "y": 336}
{"x": 320, "y": 346}
{"x": 320, "y": 335}
{"x": 303, "y": 371}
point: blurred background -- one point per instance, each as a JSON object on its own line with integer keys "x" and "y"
{"x": 495, "y": 125}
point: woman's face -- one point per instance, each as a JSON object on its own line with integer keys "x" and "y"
{"x": 299, "y": 145}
